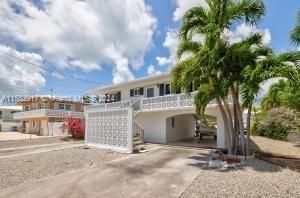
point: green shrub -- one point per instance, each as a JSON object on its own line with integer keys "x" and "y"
{"x": 277, "y": 123}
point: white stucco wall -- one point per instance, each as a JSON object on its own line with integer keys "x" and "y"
{"x": 51, "y": 128}
{"x": 155, "y": 125}
{"x": 6, "y": 126}
{"x": 184, "y": 127}
{"x": 125, "y": 89}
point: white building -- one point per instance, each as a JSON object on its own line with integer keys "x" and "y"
{"x": 164, "y": 115}
{"x": 7, "y": 123}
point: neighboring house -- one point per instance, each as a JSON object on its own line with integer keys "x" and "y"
{"x": 44, "y": 114}
{"x": 7, "y": 123}
{"x": 165, "y": 115}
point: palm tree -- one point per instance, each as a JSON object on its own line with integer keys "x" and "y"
{"x": 216, "y": 66}
{"x": 274, "y": 96}
{"x": 208, "y": 67}
{"x": 295, "y": 34}
{"x": 266, "y": 67}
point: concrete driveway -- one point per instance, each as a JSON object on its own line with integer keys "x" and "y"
{"x": 162, "y": 172}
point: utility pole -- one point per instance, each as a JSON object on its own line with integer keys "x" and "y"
{"x": 51, "y": 90}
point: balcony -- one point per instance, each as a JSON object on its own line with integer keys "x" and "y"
{"x": 47, "y": 113}
{"x": 113, "y": 105}
{"x": 7, "y": 117}
{"x": 175, "y": 101}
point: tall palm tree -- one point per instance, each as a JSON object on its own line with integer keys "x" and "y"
{"x": 208, "y": 65}
{"x": 295, "y": 34}
{"x": 216, "y": 66}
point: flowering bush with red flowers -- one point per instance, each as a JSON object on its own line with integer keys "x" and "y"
{"x": 73, "y": 126}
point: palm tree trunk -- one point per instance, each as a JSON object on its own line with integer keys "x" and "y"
{"x": 248, "y": 129}
{"x": 239, "y": 117}
{"x": 236, "y": 130}
{"x": 226, "y": 127}
{"x": 230, "y": 122}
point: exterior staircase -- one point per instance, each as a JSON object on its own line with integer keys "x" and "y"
{"x": 138, "y": 133}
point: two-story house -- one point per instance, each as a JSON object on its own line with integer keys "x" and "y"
{"x": 44, "y": 114}
{"x": 165, "y": 115}
{"x": 7, "y": 123}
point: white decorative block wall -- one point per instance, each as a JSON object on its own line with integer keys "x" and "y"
{"x": 110, "y": 129}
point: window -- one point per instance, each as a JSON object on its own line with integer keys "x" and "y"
{"x": 168, "y": 89}
{"x": 61, "y": 106}
{"x": 67, "y": 106}
{"x": 161, "y": 89}
{"x": 150, "y": 92}
{"x": 137, "y": 91}
{"x": 64, "y": 106}
{"x": 41, "y": 106}
{"x": 26, "y": 108}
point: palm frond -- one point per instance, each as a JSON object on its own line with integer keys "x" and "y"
{"x": 187, "y": 46}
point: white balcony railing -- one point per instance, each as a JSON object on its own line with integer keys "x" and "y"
{"x": 178, "y": 101}
{"x": 6, "y": 117}
{"x": 113, "y": 105}
{"x": 47, "y": 113}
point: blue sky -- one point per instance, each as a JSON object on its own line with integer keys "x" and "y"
{"x": 89, "y": 42}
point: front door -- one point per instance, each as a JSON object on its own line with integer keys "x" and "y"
{"x": 150, "y": 92}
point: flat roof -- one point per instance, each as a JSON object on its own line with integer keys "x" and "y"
{"x": 130, "y": 82}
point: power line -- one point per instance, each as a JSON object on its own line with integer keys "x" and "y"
{"x": 47, "y": 69}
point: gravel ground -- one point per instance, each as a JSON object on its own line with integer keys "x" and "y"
{"x": 254, "y": 179}
{"x": 275, "y": 146}
{"x": 16, "y": 170}
{"x": 27, "y": 142}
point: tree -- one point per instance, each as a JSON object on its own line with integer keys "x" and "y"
{"x": 282, "y": 93}
{"x": 266, "y": 67}
{"x": 216, "y": 66}
{"x": 73, "y": 126}
{"x": 295, "y": 34}
{"x": 277, "y": 123}
{"x": 208, "y": 67}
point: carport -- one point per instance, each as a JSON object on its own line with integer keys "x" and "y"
{"x": 180, "y": 131}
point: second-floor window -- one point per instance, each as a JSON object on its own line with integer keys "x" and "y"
{"x": 61, "y": 106}
{"x": 137, "y": 91}
{"x": 64, "y": 106}
{"x": 67, "y": 107}
{"x": 164, "y": 89}
{"x": 41, "y": 106}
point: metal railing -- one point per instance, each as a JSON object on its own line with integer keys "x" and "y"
{"x": 47, "y": 113}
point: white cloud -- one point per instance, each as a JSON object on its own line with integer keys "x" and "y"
{"x": 152, "y": 71}
{"x": 242, "y": 31}
{"x": 73, "y": 33}
{"x": 183, "y": 5}
{"x": 17, "y": 76}
{"x": 171, "y": 42}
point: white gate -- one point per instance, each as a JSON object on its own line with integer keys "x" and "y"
{"x": 110, "y": 129}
